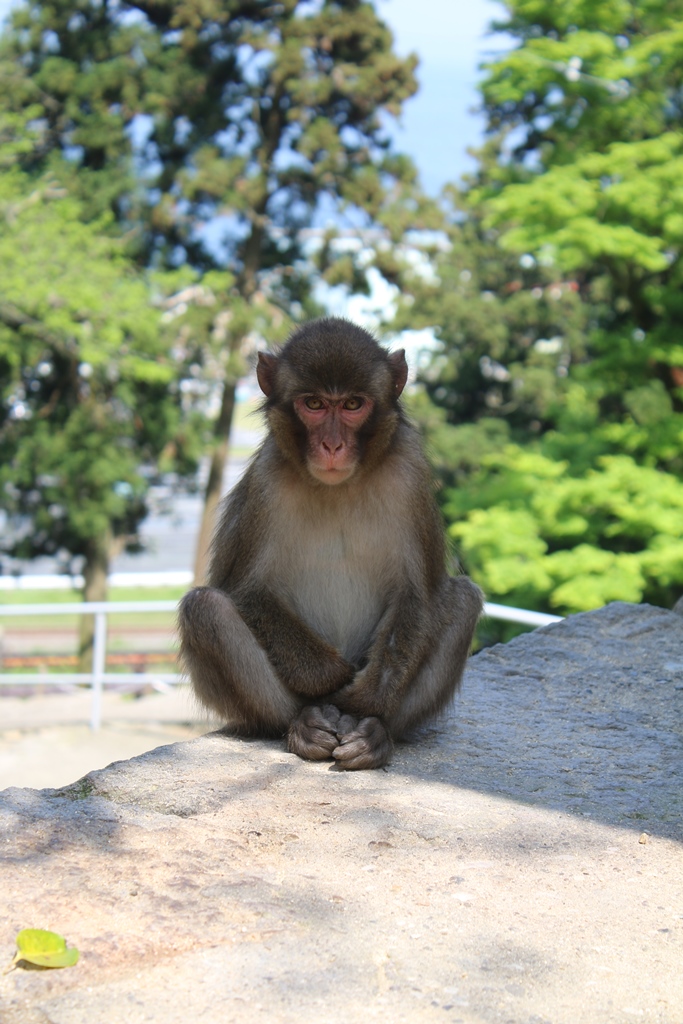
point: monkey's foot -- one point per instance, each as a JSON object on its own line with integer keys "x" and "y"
{"x": 367, "y": 745}
{"x": 313, "y": 733}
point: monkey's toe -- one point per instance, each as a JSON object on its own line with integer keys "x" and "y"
{"x": 312, "y": 734}
{"x": 368, "y": 745}
{"x": 346, "y": 725}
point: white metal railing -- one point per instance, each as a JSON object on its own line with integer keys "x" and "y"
{"x": 98, "y": 677}
{"x": 101, "y": 609}
{"x": 521, "y": 615}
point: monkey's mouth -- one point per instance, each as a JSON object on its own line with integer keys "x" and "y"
{"x": 331, "y": 474}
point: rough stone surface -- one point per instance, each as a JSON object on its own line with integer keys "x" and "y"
{"x": 519, "y": 864}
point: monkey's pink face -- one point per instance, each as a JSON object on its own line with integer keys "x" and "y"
{"x": 332, "y": 423}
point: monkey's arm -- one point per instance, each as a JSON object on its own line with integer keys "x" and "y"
{"x": 401, "y": 644}
{"x": 305, "y": 663}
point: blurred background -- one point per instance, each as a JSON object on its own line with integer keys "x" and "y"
{"x": 496, "y": 186}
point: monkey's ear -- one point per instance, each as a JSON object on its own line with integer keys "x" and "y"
{"x": 399, "y": 369}
{"x": 265, "y": 372}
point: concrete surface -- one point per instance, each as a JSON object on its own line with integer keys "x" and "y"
{"x": 520, "y": 864}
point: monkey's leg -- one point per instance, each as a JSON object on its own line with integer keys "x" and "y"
{"x": 458, "y": 609}
{"x": 230, "y": 672}
{"x": 454, "y": 615}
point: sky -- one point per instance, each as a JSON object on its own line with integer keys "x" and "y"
{"x": 438, "y": 124}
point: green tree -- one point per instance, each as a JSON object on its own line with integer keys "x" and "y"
{"x": 593, "y": 96}
{"x": 505, "y": 328}
{"x": 538, "y": 534}
{"x": 260, "y": 119}
{"x": 581, "y": 184}
{"x": 90, "y": 410}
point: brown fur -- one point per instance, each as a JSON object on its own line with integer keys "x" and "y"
{"x": 328, "y": 613}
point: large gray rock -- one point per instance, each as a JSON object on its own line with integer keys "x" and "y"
{"x": 520, "y": 863}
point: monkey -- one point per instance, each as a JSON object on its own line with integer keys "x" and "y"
{"x": 328, "y": 615}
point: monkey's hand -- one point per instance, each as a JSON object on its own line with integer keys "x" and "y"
{"x": 366, "y": 745}
{"x": 313, "y": 733}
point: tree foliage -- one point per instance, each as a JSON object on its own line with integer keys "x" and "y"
{"x": 250, "y": 111}
{"x": 597, "y": 103}
{"x": 506, "y": 331}
{"x": 575, "y": 498}
{"x": 217, "y": 132}
{"x": 90, "y": 410}
{"x": 537, "y": 535}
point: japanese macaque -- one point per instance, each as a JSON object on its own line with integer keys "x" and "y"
{"x": 329, "y": 616}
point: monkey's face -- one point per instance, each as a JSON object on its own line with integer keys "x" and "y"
{"x": 332, "y": 423}
{"x": 332, "y": 399}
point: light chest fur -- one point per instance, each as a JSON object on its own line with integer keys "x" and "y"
{"x": 332, "y": 556}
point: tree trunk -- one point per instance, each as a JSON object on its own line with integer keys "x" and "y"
{"x": 214, "y": 487}
{"x": 219, "y": 454}
{"x": 95, "y": 572}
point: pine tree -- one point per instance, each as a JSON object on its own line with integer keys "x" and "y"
{"x": 260, "y": 120}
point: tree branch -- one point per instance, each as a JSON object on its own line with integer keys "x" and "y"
{"x": 13, "y": 317}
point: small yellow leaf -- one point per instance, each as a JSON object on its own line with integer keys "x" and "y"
{"x": 35, "y": 940}
{"x": 44, "y": 949}
{"x": 67, "y": 958}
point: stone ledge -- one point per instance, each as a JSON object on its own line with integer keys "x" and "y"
{"x": 492, "y": 873}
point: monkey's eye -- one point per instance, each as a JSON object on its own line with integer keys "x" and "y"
{"x": 353, "y": 404}
{"x": 314, "y": 403}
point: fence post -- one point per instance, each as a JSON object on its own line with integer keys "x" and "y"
{"x": 99, "y": 658}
